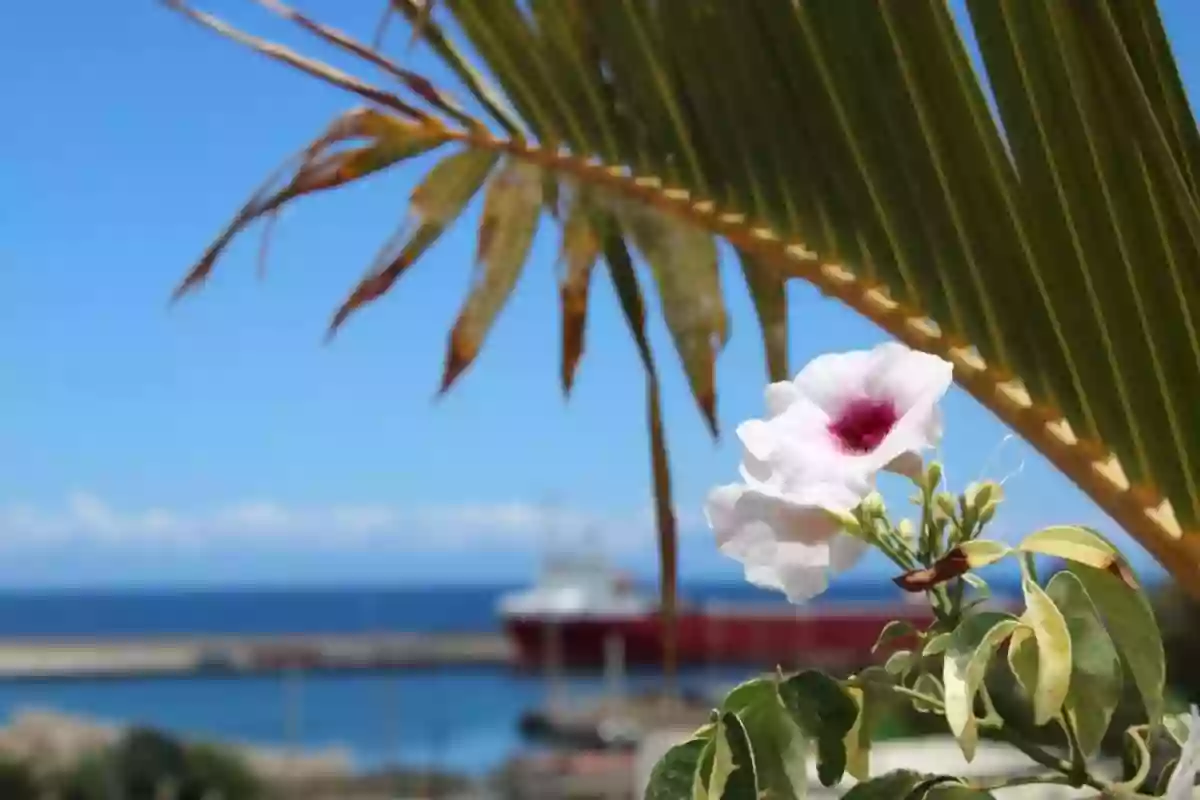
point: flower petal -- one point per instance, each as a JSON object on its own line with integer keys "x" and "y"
{"x": 758, "y": 438}
{"x": 791, "y": 521}
{"x": 845, "y": 551}
{"x": 916, "y": 431}
{"x": 755, "y": 471}
{"x": 914, "y": 382}
{"x": 763, "y": 574}
{"x": 909, "y": 380}
{"x": 720, "y": 510}
{"x": 908, "y": 464}
{"x": 796, "y": 440}
{"x": 806, "y": 503}
{"x": 907, "y": 377}
{"x": 782, "y": 545}
{"x": 779, "y": 396}
{"x": 804, "y": 461}
{"x": 802, "y": 570}
{"x": 828, "y": 381}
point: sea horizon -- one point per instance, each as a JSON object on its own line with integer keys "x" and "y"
{"x": 332, "y": 609}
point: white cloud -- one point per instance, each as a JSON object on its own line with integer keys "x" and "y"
{"x": 85, "y": 516}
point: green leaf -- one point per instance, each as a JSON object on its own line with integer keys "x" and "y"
{"x": 779, "y": 747}
{"x": 934, "y": 782}
{"x": 510, "y": 216}
{"x": 1130, "y": 621}
{"x": 1054, "y": 651}
{"x": 426, "y": 28}
{"x": 436, "y": 202}
{"x": 1137, "y": 751}
{"x": 769, "y": 293}
{"x": 683, "y": 260}
{"x": 734, "y": 775}
{"x": 629, "y": 297}
{"x": 675, "y": 773}
{"x": 440, "y": 196}
{"x": 1023, "y": 659}
{"x": 1071, "y": 542}
{"x": 748, "y": 693}
{"x": 579, "y": 251}
{"x": 896, "y": 629}
{"x": 895, "y": 785}
{"x": 704, "y": 768}
{"x": 970, "y": 649}
{"x": 822, "y": 709}
{"x": 1177, "y": 726}
{"x": 928, "y": 685}
{"x": 900, "y": 663}
{"x": 318, "y": 170}
{"x": 981, "y": 552}
{"x": 991, "y": 717}
{"x": 937, "y": 644}
{"x": 978, "y": 584}
{"x": 873, "y": 698}
{"x": 1096, "y": 674}
{"x": 858, "y": 738}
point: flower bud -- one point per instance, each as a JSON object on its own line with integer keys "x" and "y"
{"x": 906, "y": 530}
{"x": 872, "y": 505}
{"x": 848, "y": 521}
{"x": 987, "y": 512}
{"x": 933, "y": 476}
{"x": 943, "y": 505}
{"x": 980, "y": 494}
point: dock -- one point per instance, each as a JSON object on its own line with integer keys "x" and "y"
{"x": 42, "y": 658}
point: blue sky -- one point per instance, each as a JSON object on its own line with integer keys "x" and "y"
{"x": 220, "y": 441}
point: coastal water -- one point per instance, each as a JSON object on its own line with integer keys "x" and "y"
{"x": 458, "y": 719}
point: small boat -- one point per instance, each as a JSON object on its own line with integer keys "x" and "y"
{"x": 582, "y": 613}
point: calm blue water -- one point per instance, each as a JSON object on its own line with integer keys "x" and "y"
{"x": 451, "y": 718}
{"x": 325, "y": 610}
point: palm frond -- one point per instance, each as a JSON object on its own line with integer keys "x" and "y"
{"x": 1050, "y": 248}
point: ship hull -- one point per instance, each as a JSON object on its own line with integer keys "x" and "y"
{"x": 833, "y": 637}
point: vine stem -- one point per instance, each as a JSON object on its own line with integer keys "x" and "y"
{"x": 1078, "y": 757}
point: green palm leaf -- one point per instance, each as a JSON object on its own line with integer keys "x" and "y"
{"x": 1050, "y": 249}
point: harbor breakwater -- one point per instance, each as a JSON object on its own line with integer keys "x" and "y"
{"x": 43, "y": 658}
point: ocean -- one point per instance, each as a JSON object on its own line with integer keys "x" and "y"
{"x": 461, "y": 719}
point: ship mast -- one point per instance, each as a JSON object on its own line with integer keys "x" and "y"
{"x": 552, "y": 650}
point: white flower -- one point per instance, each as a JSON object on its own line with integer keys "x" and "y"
{"x": 849, "y": 415}
{"x": 787, "y": 543}
{"x": 827, "y": 433}
{"x": 1183, "y": 779}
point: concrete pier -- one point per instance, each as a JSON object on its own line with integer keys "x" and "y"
{"x": 89, "y": 658}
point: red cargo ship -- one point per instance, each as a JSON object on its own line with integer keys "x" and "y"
{"x": 580, "y": 611}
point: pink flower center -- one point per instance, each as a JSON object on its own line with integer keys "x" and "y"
{"x": 863, "y": 424}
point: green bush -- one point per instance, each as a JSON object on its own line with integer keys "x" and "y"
{"x": 93, "y": 778}
{"x": 214, "y": 769}
{"x": 146, "y": 760}
{"x": 17, "y": 781}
